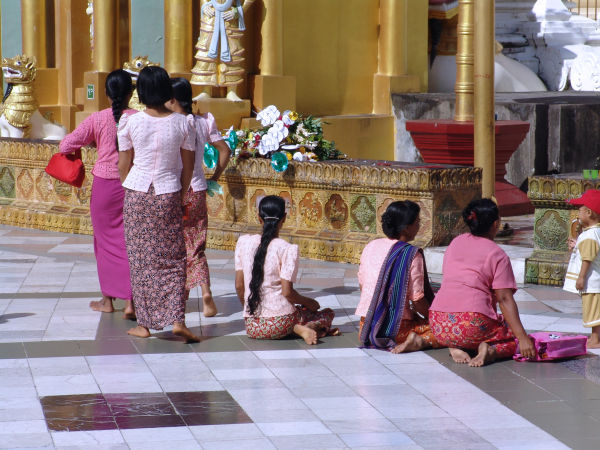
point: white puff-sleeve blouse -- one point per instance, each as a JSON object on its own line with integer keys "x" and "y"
{"x": 156, "y": 142}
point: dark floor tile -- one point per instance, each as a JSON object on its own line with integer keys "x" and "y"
{"x": 159, "y": 346}
{"x": 77, "y": 412}
{"x": 216, "y": 418}
{"x": 107, "y": 347}
{"x": 52, "y": 349}
{"x": 82, "y": 424}
{"x": 288, "y": 343}
{"x": 145, "y": 404}
{"x": 12, "y": 350}
{"x": 219, "y": 344}
{"x": 130, "y": 422}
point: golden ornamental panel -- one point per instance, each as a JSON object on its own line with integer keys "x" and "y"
{"x": 334, "y": 208}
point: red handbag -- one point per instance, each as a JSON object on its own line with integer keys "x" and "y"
{"x": 67, "y": 167}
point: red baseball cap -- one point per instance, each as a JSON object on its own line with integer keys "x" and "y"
{"x": 590, "y": 198}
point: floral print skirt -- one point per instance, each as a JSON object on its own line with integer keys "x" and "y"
{"x": 407, "y": 326}
{"x": 466, "y": 330}
{"x": 194, "y": 231}
{"x": 279, "y": 327}
{"x": 156, "y": 252}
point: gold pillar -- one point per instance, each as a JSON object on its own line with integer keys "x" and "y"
{"x": 392, "y": 37}
{"x": 33, "y": 26}
{"x": 105, "y": 35}
{"x": 483, "y": 73}
{"x": 179, "y": 48}
{"x": 271, "y": 57}
{"x": 463, "y": 88}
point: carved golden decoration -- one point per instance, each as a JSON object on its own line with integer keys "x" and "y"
{"x": 20, "y": 104}
{"x": 323, "y": 187}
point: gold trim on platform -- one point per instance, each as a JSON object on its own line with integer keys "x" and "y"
{"x": 334, "y": 207}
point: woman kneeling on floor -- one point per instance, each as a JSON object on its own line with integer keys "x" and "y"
{"x": 395, "y": 291}
{"x": 477, "y": 276}
{"x": 265, "y": 270}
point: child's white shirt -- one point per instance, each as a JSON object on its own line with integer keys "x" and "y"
{"x": 592, "y": 282}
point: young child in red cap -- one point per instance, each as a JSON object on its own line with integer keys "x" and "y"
{"x": 583, "y": 273}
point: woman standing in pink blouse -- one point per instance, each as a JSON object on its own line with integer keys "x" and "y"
{"x": 477, "y": 276}
{"x": 160, "y": 143}
{"x": 195, "y": 226}
{"x": 265, "y": 270}
{"x": 106, "y": 203}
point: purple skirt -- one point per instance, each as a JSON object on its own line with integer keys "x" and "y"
{"x": 106, "y": 211}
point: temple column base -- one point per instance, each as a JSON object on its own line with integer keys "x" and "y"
{"x": 93, "y": 96}
{"x": 386, "y": 85}
{"x": 226, "y": 112}
{"x": 275, "y": 90}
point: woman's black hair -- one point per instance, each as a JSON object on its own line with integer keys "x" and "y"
{"x": 398, "y": 216}
{"x": 480, "y": 215}
{"x": 154, "y": 86}
{"x": 118, "y": 87}
{"x": 182, "y": 92}
{"x": 271, "y": 210}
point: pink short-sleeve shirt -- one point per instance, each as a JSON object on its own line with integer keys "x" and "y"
{"x": 473, "y": 268}
{"x": 206, "y": 131}
{"x": 371, "y": 260}
{"x": 156, "y": 142}
{"x": 281, "y": 262}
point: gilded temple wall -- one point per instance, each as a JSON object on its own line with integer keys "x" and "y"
{"x": 554, "y": 222}
{"x": 333, "y": 207}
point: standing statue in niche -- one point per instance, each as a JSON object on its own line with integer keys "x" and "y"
{"x": 220, "y": 53}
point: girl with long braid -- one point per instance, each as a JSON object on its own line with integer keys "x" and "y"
{"x": 265, "y": 270}
{"x": 106, "y": 203}
{"x": 195, "y": 225}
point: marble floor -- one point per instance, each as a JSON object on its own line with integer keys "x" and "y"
{"x": 71, "y": 378}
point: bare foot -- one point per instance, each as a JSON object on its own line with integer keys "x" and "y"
{"x": 139, "y": 331}
{"x": 319, "y": 329}
{"x": 413, "y": 343}
{"x": 104, "y": 305}
{"x": 180, "y": 329}
{"x": 209, "y": 308}
{"x": 486, "y": 354}
{"x": 459, "y": 356}
{"x": 308, "y": 334}
{"x": 593, "y": 343}
{"x": 129, "y": 311}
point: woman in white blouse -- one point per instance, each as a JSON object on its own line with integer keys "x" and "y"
{"x": 160, "y": 144}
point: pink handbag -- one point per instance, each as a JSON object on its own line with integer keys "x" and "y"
{"x": 553, "y": 345}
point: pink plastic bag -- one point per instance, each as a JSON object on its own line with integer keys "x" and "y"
{"x": 553, "y": 345}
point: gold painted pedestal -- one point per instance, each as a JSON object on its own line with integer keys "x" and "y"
{"x": 334, "y": 207}
{"x": 554, "y": 223}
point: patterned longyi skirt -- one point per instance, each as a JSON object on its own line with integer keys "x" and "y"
{"x": 156, "y": 252}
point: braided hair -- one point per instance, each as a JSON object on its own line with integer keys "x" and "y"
{"x": 271, "y": 210}
{"x": 480, "y": 215}
{"x": 182, "y": 92}
{"x": 118, "y": 87}
{"x": 398, "y": 216}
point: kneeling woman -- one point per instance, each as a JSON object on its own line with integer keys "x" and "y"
{"x": 477, "y": 276}
{"x": 395, "y": 291}
{"x": 265, "y": 270}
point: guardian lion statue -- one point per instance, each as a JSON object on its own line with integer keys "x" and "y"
{"x": 134, "y": 67}
{"x": 19, "y": 114}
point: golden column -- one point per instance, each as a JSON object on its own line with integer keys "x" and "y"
{"x": 463, "y": 111}
{"x": 33, "y": 26}
{"x": 271, "y": 86}
{"x": 271, "y": 57}
{"x": 392, "y": 37}
{"x": 179, "y": 49}
{"x": 393, "y": 72}
{"x": 483, "y": 72}
{"x": 105, "y": 35}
